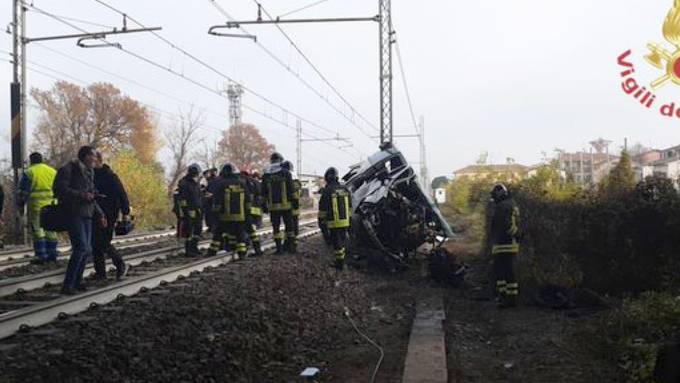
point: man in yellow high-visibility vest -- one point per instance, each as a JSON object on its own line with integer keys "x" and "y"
{"x": 36, "y": 192}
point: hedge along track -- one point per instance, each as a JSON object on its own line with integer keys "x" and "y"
{"x": 50, "y": 306}
{"x": 23, "y": 256}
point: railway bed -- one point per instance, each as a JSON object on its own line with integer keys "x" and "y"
{"x": 26, "y": 309}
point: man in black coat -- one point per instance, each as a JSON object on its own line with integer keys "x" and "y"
{"x": 113, "y": 200}
{"x": 75, "y": 190}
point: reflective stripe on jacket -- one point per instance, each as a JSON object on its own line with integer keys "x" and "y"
{"x": 41, "y": 180}
{"x": 505, "y": 228}
{"x": 231, "y": 199}
{"x": 335, "y": 206}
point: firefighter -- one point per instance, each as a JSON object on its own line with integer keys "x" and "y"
{"x": 336, "y": 206}
{"x": 505, "y": 245}
{"x": 254, "y": 216}
{"x": 36, "y": 191}
{"x": 278, "y": 189}
{"x": 297, "y": 192}
{"x": 189, "y": 210}
{"x": 209, "y": 176}
{"x": 231, "y": 204}
{"x": 321, "y": 219}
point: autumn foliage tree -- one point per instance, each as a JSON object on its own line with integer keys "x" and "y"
{"x": 145, "y": 185}
{"x": 244, "y": 146}
{"x": 98, "y": 115}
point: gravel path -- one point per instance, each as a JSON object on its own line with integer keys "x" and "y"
{"x": 258, "y": 320}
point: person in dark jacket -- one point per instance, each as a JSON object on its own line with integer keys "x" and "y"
{"x": 113, "y": 200}
{"x": 189, "y": 210}
{"x": 278, "y": 192}
{"x": 209, "y": 177}
{"x": 335, "y": 207}
{"x": 231, "y": 204}
{"x": 75, "y": 190}
{"x": 255, "y": 214}
{"x": 505, "y": 245}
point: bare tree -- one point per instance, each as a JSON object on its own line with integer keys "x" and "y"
{"x": 209, "y": 155}
{"x": 181, "y": 140}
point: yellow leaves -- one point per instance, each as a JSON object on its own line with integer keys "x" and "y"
{"x": 146, "y": 190}
{"x": 98, "y": 115}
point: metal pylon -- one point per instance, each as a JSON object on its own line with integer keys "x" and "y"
{"x": 386, "y": 41}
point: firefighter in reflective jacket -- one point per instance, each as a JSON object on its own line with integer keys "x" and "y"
{"x": 505, "y": 245}
{"x": 254, "y": 215}
{"x": 321, "y": 220}
{"x": 335, "y": 206}
{"x": 188, "y": 209}
{"x": 297, "y": 193}
{"x": 36, "y": 191}
{"x": 278, "y": 189}
{"x": 231, "y": 205}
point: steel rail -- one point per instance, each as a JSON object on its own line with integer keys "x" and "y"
{"x": 35, "y": 281}
{"x": 23, "y": 256}
{"x": 43, "y": 313}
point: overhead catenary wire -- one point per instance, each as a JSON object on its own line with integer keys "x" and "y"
{"x": 314, "y": 67}
{"x": 183, "y": 76}
{"x": 169, "y": 115}
{"x": 306, "y": 7}
{"x": 406, "y": 89}
{"x": 282, "y": 63}
{"x": 217, "y": 71}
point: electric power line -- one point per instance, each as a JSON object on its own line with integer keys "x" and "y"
{"x": 216, "y": 71}
{"x": 314, "y": 4}
{"x": 279, "y": 61}
{"x": 408, "y": 94}
{"x": 314, "y": 67}
{"x": 182, "y": 76}
{"x": 169, "y": 115}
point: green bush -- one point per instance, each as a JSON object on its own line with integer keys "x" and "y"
{"x": 633, "y": 333}
{"x": 611, "y": 242}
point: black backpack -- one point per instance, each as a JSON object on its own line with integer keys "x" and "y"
{"x": 52, "y": 218}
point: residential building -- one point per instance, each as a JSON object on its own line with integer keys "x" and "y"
{"x": 587, "y": 167}
{"x": 509, "y": 172}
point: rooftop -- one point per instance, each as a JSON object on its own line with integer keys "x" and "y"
{"x": 510, "y": 168}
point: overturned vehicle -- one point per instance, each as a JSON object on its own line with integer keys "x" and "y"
{"x": 391, "y": 213}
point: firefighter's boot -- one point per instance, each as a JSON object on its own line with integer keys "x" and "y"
{"x": 279, "y": 246}
{"x": 257, "y": 246}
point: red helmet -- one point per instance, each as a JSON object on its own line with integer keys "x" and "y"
{"x": 246, "y": 171}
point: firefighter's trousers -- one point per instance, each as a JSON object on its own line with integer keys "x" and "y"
{"x": 291, "y": 239}
{"x": 339, "y": 242}
{"x": 191, "y": 229}
{"x": 230, "y": 236}
{"x": 504, "y": 272}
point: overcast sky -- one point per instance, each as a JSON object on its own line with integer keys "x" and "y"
{"x": 511, "y": 77}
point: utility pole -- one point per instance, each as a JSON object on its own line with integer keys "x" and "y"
{"x": 18, "y": 93}
{"x": 299, "y": 146}
{"x": 386, "y": 41}
{"x": 424, "y": 176}
{"x": 235, "y": 93}
{"x": 300, "y": 140}
{"x": 18, "y": 112}
{"x": 385, "y": 38}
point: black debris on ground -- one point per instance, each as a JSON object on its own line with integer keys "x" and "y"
{"x": 526, "y": 344}
{"x": 258, "y": 320}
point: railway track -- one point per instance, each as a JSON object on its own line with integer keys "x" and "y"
{"x": 23, "y": 256}
{"x": 23, "y": 309}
